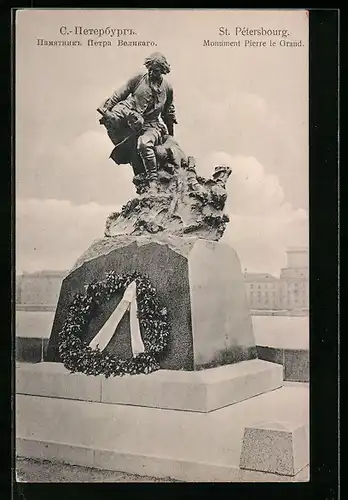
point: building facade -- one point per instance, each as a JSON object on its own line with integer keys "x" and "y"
{"x": 262, "y": 291}
{"x": 288, "y": 292}
{"x": 294, "y": 280}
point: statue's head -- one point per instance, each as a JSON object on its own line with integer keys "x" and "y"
{"x": 157, "y": 65}
{"x": 221, "y": 174}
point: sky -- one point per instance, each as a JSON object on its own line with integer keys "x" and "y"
{"x": 242, "y": 106}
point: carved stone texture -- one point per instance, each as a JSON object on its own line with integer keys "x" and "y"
{"x": 183, "y": 204}
{"x": 200, "y": 283}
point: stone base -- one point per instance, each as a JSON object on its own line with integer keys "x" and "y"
{"x": 200, "y": 283}
{"x": 184, "y": 445}
{"x": 201, "y": 391}
{"x": 276, "y": 447}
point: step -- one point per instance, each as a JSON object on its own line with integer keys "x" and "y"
{"x": 201, "y": 391}
{"x": 184, "y": 445}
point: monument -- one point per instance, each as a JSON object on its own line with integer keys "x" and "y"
{"x": 152, "y": 317}
{"x": 169, "y": 232}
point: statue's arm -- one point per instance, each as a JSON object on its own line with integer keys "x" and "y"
{"x": 168, "y": 114}
{"x": 122, "y": 93}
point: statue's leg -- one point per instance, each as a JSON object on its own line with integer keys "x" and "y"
{"x": 146, "y": 148}
{"x": 137, "y": 164}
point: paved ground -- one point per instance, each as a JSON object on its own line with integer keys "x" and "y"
{"x": 42, "y": 423}
{"x": 42, "y": 471}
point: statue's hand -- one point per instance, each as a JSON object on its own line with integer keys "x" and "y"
{"x": 108, "y": 114}
{"x": 107, "y": 118}
{"x": 135, "y": 121}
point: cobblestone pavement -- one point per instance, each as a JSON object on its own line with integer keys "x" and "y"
{"x": 29, "y": 470}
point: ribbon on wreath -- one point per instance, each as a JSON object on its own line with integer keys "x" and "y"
{"x": 107, "y": 331}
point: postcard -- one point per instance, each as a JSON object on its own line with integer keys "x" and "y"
{"x": 162, "y": 302}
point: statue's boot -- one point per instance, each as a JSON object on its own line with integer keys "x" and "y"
{"x": 150, "y": 165}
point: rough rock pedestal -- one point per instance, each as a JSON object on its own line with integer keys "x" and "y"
{"x": 199, "y": 281}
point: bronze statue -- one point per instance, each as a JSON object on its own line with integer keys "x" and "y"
{"x": 173, "y": 200}
{"x": 139, "y": 117}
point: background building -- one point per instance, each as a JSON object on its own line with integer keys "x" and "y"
{"x": 288, "y": 292}
{"x": 262, "y": 290}
{"x": 294, "y": 280}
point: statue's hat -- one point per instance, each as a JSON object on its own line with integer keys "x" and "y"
{"x": 221, "y": 169}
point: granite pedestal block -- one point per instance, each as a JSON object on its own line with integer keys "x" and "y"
{"x": 201, "y": 284}
{"x": 276, "y": 447}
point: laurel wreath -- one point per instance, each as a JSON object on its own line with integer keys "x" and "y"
{"x": 76, "y": 354}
